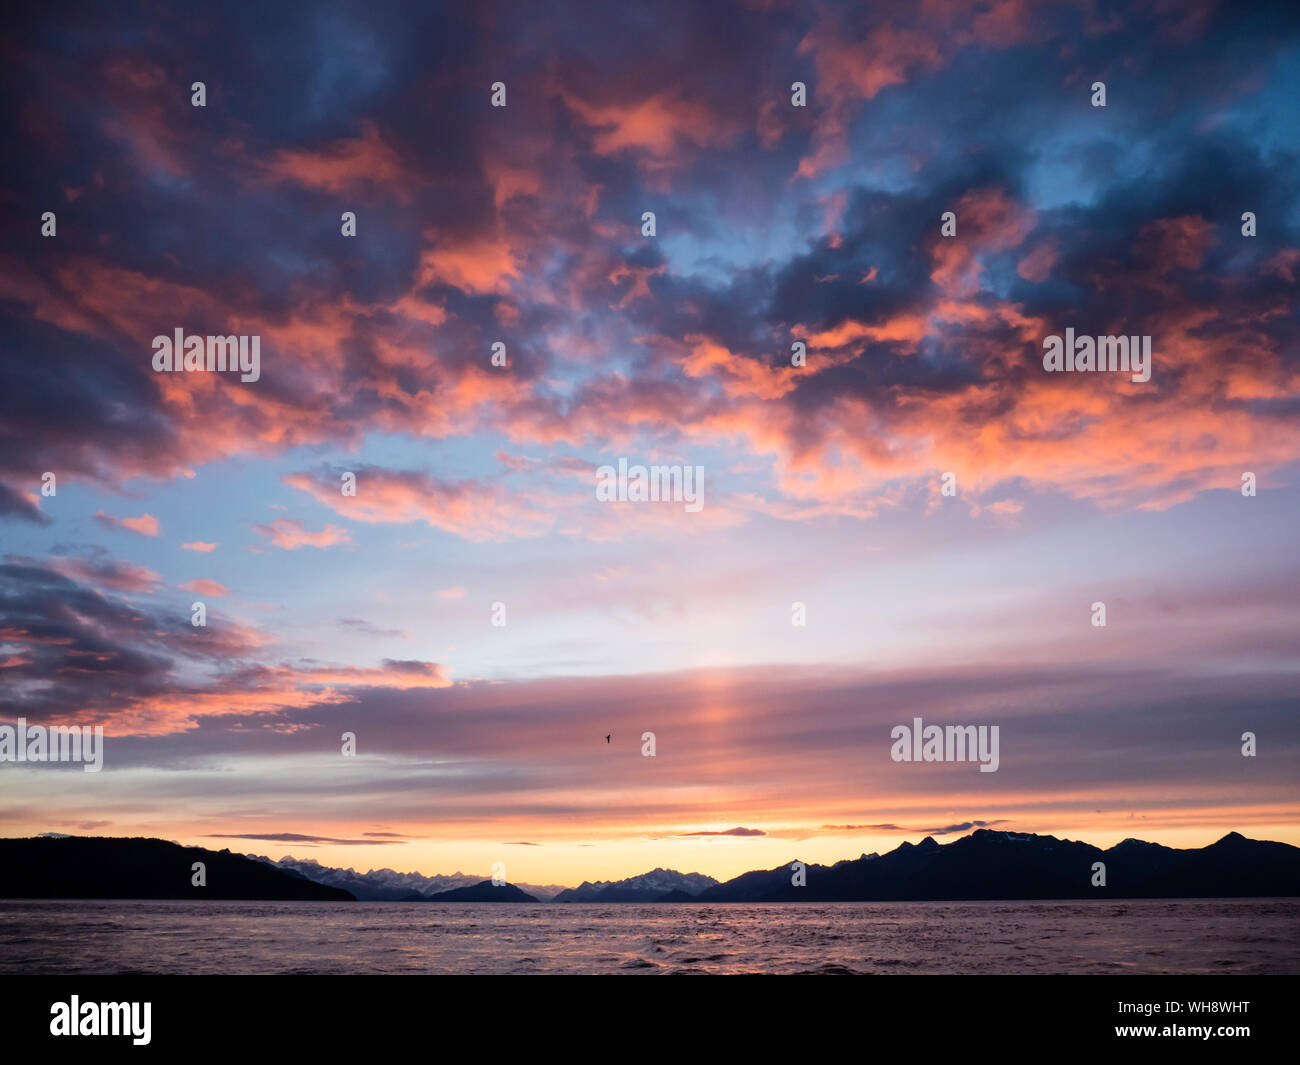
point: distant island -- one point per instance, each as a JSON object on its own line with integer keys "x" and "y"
{"x": 986, "y": 865}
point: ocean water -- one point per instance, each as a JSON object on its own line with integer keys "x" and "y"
{"x": 1141, "y": 936}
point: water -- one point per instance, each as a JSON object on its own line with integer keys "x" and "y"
{"x": 1140, "y": 936}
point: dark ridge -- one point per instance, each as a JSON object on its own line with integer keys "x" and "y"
{"x": 484, "y": 891}
{"x": 989, "y": 865}
{"x": 104, "y": 867}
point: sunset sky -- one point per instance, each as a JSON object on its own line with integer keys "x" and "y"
{"x": 775, "y": 224}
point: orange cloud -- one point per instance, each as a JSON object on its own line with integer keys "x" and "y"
{"x": 480, "y": 264}
{"x": 654, "y": 124}
{"x": 740, "y": 376}
{"x": 347, "y": 166}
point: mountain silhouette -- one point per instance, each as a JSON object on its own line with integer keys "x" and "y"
{"x": 986, "y": 865}
{"x": 388, "y": 885}
{"x": 103, "y": 867}
{"x": 483, "y": 892}
{"x": 1010, "y": 865}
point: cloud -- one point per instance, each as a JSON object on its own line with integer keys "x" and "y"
{"x": 965, "y": 826}
{"x": 946, "y": 830}
{"x": 470, "y": 509}
{"x": 290, "y": 534}
{"x": 345, "y": 168}
{"x": 15, "y": 503}
{"x": 199, "y": 545}
{"x": 296, "y": 837}
{"x": 85, "y": 656}
{"x": 203, "y": 586}
{"x": 535, "y": 240}
{"x": 101, "y": 570}
{"x": 655, "y": 124}
{"x": 722, "y": 832}
{"x": 864, "y": 828}
{"x": 145, "y": 525}
{"x": 367, "y": 629}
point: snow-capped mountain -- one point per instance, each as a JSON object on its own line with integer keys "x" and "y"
{"x": 388, "y": 885}
{"x": 643, "y": 888}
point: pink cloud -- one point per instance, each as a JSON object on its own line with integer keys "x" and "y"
{"x": 145, "y": 525}
{"x": 203, "y": 586}
{"x": 652, "y": 124}
{"x": 470, "y": 509}
{"x": 1037, "y": 265}
{"x": 122, "y": 576}
{"x": 347, "y": 166}
{"x": 290, "y": 534}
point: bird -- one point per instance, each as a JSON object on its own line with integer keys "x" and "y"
{"x": 607, "y": 737}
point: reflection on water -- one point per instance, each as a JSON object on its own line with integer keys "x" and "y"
{"x": 1140, "y": 936}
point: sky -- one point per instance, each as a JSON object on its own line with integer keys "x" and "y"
{"x": 916, "y": 519}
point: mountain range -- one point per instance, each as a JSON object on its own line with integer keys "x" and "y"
{"x": 486, "y": 891}
{"x": 985, "y": 865}
{"x": 388, "y": 885}
{"x": 1011, "y": 865}
{"x": 648, "y": 887}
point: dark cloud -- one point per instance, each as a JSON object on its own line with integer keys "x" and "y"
{"x": 367, "y": 629}
{"x": 723, "y": 832}
{"x": 14, "y": 503}
{"x": 89, "y": 654}
{"x": 946, "y": 830}
{"x": 97, "y": 567}
{"x": 296, "y": 837}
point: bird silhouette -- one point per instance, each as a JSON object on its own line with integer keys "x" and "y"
{"x": 607, "y": 737}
